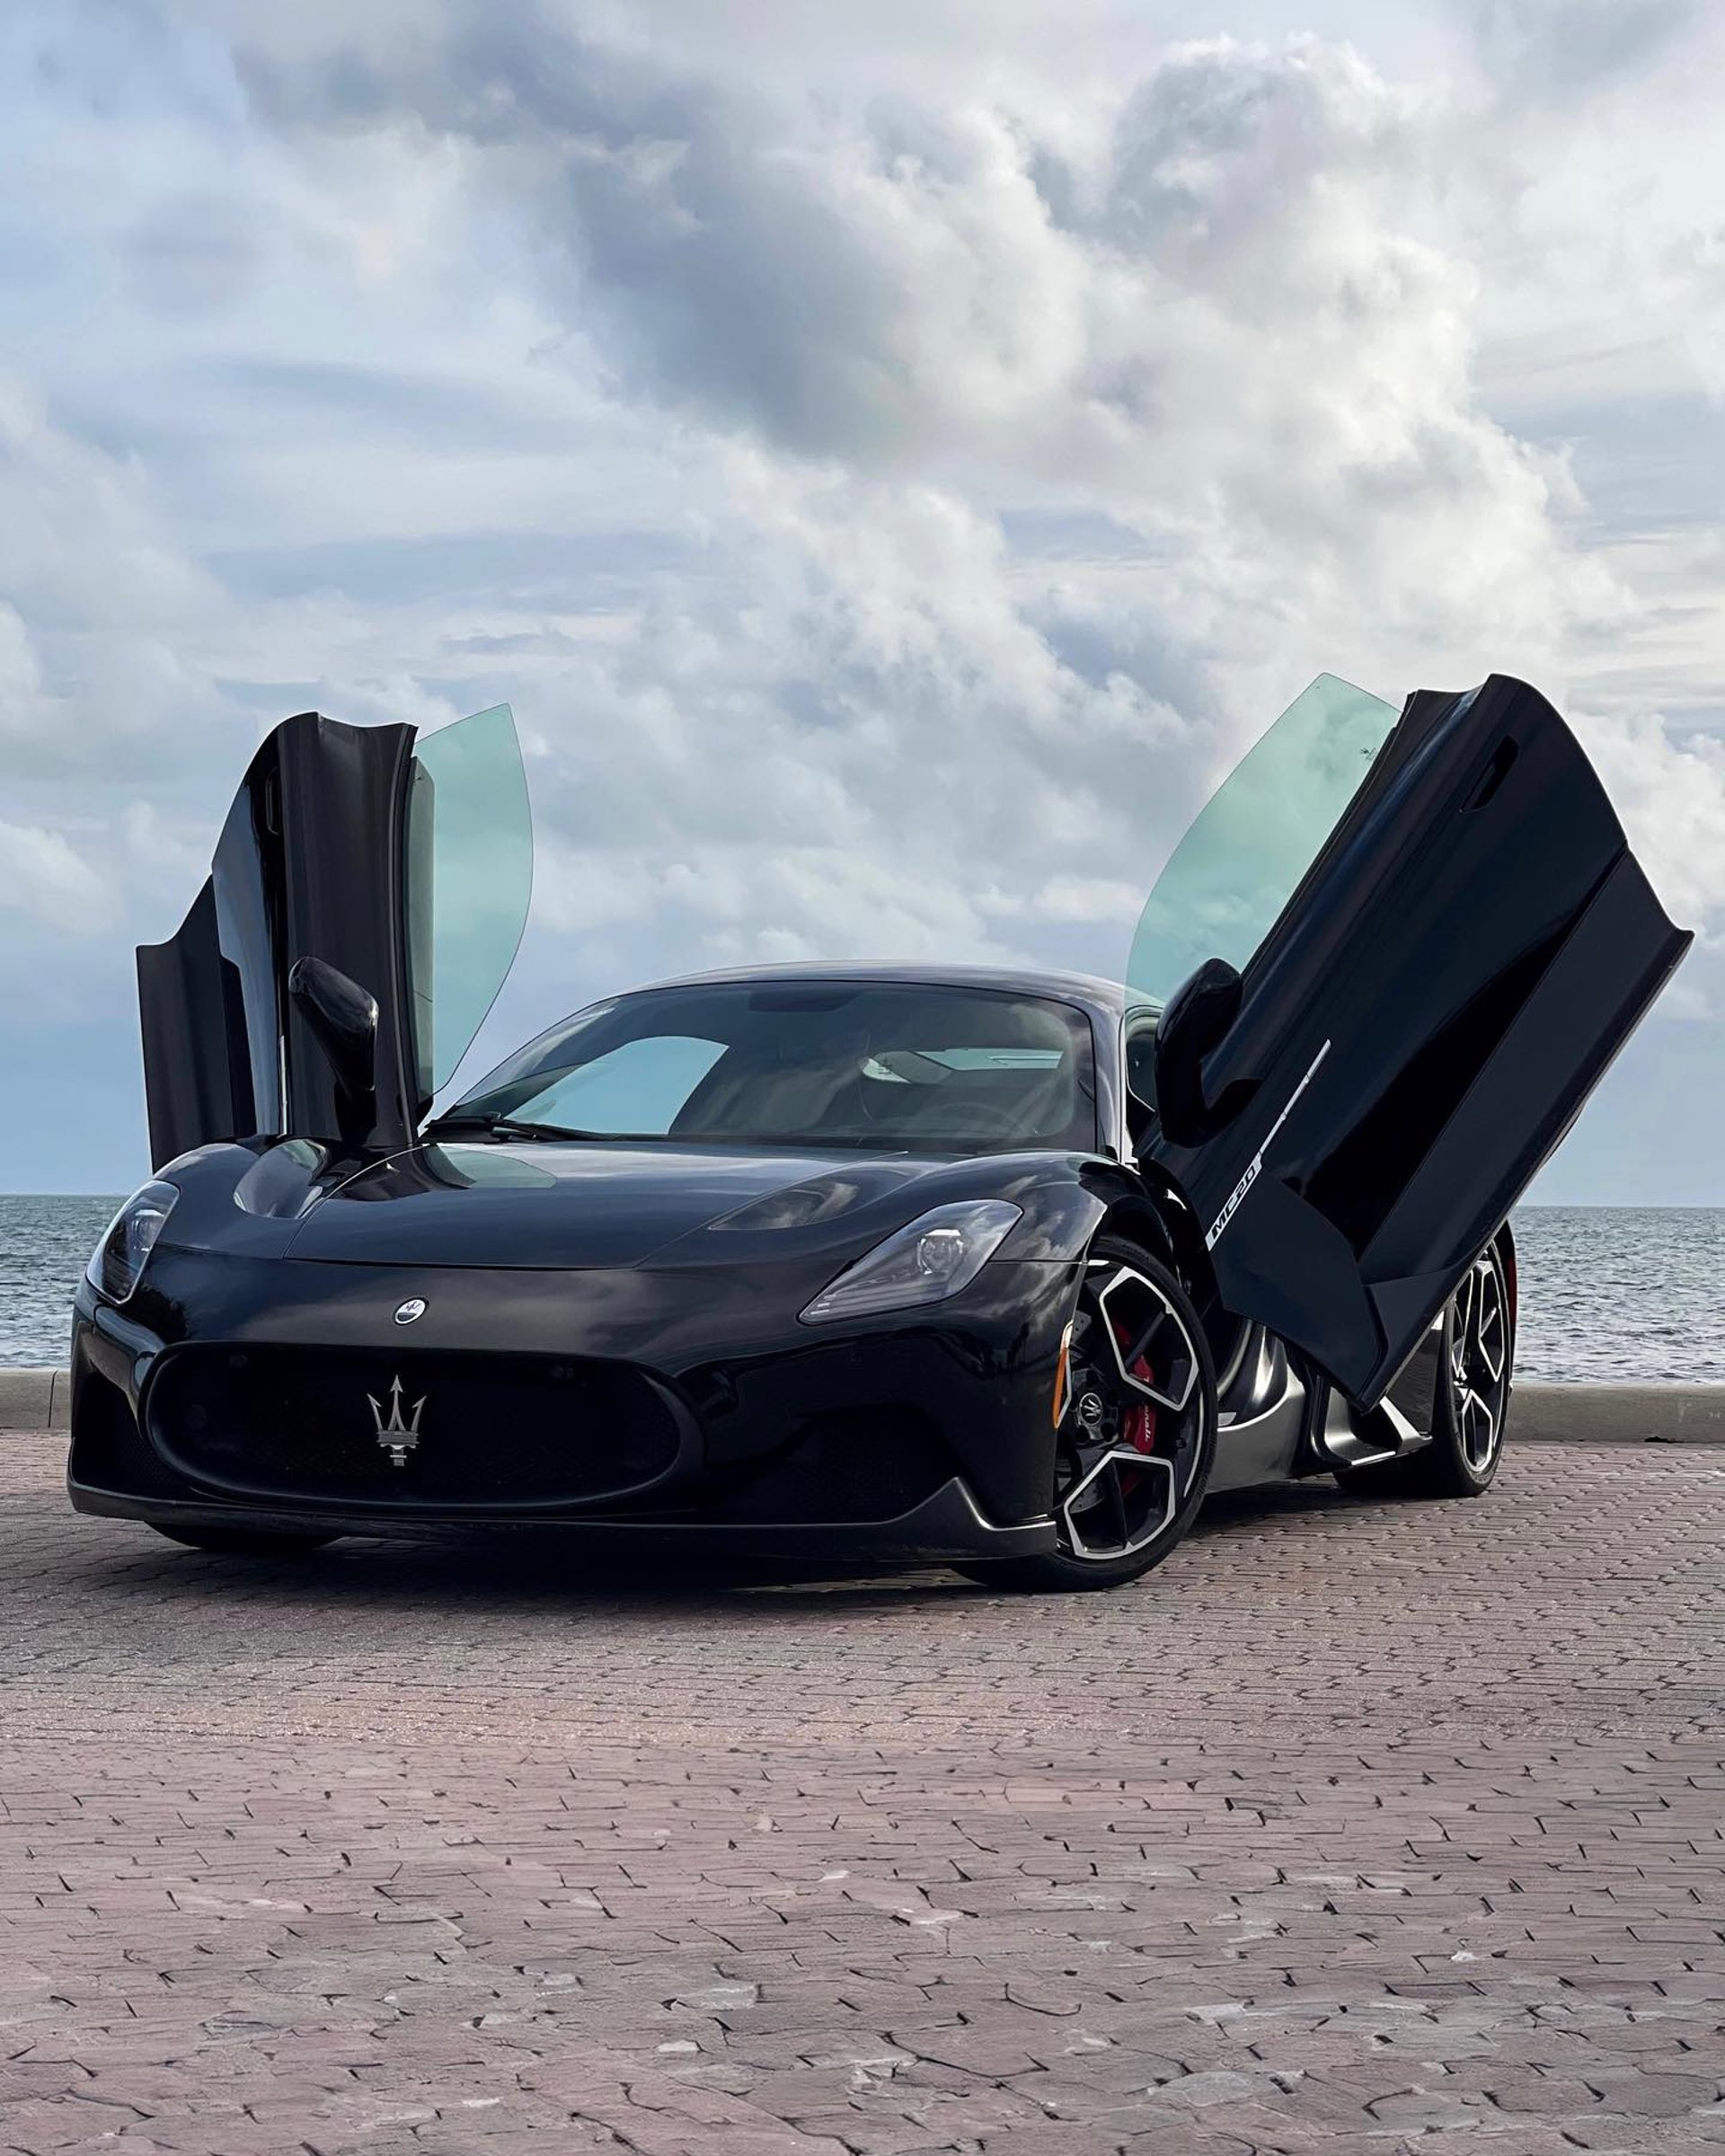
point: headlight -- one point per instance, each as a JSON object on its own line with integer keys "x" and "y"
{"x": 120, "y": 1256}
{"x": 931, "y": 1259}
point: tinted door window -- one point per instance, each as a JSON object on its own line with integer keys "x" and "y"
{"x": 1246, "y": 851}
{"x": 470, "y": 879}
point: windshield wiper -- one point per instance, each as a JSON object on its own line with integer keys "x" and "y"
{"x": 509, "y": 1127}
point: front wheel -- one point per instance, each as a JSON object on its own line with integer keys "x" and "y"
{"x": 243, "y": 1542}
{"x": 1134, "y": 1410}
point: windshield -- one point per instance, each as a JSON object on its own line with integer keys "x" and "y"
{"x": 809, "y": 1062}
{"x": 1241, "y": 862}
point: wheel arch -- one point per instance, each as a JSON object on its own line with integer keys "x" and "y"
{"x": 1149, "y": 1511}
{"x": 1505, "y": 1240}
{"x": 1145, "y": 1205}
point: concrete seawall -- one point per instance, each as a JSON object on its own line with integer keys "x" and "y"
{"x": 1586, "y": 1414}
{"x": 1580, "y": 1414}
{"x": 34, "y": 1400}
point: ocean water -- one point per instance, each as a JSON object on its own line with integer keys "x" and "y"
{"x": 1631, "y": 1293}
{"x": 1623, "y": 1293}
{"x": 44, "y": 1244}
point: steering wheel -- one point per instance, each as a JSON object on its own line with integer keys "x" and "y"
{"x": 1006, "y": 1123}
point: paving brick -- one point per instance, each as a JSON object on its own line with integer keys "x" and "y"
{"x": 1358, "y": 1829}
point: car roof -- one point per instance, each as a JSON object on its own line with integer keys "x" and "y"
{"x": 1091, "y": 990}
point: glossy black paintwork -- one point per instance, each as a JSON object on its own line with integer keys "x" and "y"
{"x": 618, "y": 1204}
{"x": 724, "y": 1335}
{"x": 1471, "y": 947}
{"x": 312, "y": 862}
{"x": 532, "y": 1206}
{"x": 667, "y": 1261}
{"x": 659, "y": 1257}
{"x": 1469, "y": 951}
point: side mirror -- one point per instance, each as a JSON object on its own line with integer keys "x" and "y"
{"x": 1193, "y": 1020}
{"x": 343, "y": 1016}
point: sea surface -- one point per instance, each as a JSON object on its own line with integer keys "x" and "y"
{"x": 1630, "y": 1294}
{"x": 44, "y": 1244}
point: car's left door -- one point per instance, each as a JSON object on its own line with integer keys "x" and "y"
{"x": 1354, "y": 1104}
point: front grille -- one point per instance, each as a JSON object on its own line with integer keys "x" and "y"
{"x": 841, "y": 1466}
{"x": 488, "y": 1432}
{"x": 108, "y": 1449}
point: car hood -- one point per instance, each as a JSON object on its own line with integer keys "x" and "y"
{"x": 535, "y": 1204}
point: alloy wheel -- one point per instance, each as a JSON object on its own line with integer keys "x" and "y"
{"x": 1479, "y": 1360}
{"x": 1129, "y": 1416}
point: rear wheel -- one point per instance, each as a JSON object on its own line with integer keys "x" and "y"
{"x": 243, "y": 1542}
{"x": 1135, "y": 1428}
{"x": 1476, "y": 1361}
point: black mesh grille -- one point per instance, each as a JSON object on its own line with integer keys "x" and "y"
{"x": 107, "y": 1449}
{"x": 483, "y": 1431}
{"x": 844, "y": 1465}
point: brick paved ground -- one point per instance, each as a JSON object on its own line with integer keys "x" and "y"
{"x": 1357, "y": 1828}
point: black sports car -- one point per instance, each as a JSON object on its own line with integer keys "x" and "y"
{"x": 1000, "y": 1268}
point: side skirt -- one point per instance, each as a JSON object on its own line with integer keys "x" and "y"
{"x": 1400, "y": 1424}
{"x": 1262, "y": 1417}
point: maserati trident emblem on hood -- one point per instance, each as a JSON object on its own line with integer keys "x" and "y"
{"x": 414, "y": 1307}
{"x": 398, "y": 1438}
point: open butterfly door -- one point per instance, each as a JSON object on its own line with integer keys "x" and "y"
{"x": 1395, "y": 955}
{"x": 364, "y": 905}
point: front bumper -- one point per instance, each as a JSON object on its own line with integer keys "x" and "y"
{"x": 946, "y": 1527}
{"x": 929, "y": 1439}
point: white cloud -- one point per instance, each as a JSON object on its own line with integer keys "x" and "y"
{"x": 1671, "y": 796}
{"x": 42, "y": 877}
{"x": 1207, "y": 313}
{"x": 1552, "y": 50}
{"x": 891, "y": 479}
{"x": 20, "y": 675}
{"x": 97, "y": 589}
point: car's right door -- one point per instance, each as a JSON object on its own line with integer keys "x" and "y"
{"x": 402, "y": 866}
{"x": 1363, "y": 1076}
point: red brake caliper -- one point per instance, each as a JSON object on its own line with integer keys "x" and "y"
{"x": 1138, "y": 1422}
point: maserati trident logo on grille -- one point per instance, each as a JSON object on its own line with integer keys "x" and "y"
{"x": 398, "y": 1438}
{"x": 414, "y": 1307}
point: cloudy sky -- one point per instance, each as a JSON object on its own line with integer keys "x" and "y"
{"x": 893, "y": 459}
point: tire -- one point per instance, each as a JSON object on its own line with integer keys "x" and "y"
{"x": 1117, "y": 1521}
{"x": 243, "y": 1542}
{"x": 1475, "y": 1372}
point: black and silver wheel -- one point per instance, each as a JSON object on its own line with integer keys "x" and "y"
{"x": 1473, "y": 1398}
{"x": 243, "y": 1542}
{"x": 1134, "y": 1411}
{"x": 1475, "y": 1368}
